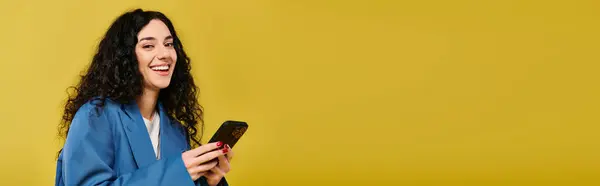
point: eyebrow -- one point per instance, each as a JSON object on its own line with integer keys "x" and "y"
{"x": 152, "y": 38}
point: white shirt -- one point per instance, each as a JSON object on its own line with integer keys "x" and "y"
{"x": 153, "y": 130}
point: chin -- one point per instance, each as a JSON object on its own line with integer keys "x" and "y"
{"x": 160, "y": 85}
{"x": 157, "y": 83}
{"x": 163, "y": 86}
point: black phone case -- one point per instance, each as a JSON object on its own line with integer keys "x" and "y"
{"x": 230, "y": 132}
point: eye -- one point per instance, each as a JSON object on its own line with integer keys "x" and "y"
{"x": 148, "y": 46}
{"x": 169, "y": 45}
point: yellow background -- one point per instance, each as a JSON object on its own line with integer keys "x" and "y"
{"x": 340, "y": 92}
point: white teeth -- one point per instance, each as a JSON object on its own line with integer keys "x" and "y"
{"x": 166, "y": 67}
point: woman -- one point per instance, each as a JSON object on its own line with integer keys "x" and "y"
{"x": 134, "y": 115}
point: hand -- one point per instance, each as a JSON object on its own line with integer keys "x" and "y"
{"x": 198, "y": 161}
{"x": 214, "y": 176}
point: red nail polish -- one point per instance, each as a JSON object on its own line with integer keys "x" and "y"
{"x": 219, "y": 144}
{"x": 225, "y": 150}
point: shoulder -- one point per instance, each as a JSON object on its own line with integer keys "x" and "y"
{"x": 95, "y": 114}
{"x": 92, "y": 128}
{"x": 97, "y": 107}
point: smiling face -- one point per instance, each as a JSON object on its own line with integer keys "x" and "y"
{"x": 156, "y": 55}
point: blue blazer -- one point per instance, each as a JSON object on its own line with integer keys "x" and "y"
{"x": 110, "y": 145}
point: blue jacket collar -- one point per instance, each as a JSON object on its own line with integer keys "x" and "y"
{"x": 139, "y": 140}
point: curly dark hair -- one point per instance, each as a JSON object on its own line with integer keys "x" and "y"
{"x": 114, "y": 74}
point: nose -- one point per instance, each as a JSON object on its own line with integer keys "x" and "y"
{"x": 163, "y": 53}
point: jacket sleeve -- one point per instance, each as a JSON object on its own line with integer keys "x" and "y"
{"x": 202, "y": 182}
{"x": 88, "y": 155}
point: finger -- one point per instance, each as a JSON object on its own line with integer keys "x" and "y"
{"x": 212, "y": 176}
{"x": 216, "y": 170}
{"x": 208, "y": 174}
{"x": 196, "y": 176}
{"x": 223, "y": 164}
{"x": 223, "y": 159}
{"x": 229, "y": 154}
{"x": 208, "y": 156}
{"x": 200, "y": 169}
{"x": 204, "y": 148}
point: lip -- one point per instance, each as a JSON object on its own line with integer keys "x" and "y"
{"x": 161, "y": 73}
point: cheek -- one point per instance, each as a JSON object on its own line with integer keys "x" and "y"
{"x": 143, "y": 59}
{"x": 174, "y": 56}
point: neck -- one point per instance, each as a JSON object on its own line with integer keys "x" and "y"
{"x": 147, "y": 103}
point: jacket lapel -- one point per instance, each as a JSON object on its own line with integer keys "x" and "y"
{"x": 137, "y": 135}
{"x": 172, "y": 141}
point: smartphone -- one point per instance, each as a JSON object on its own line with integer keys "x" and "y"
{"x": 230, "y": 132}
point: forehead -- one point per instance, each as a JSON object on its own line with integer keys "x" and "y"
{"x": 156, "y": 29}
